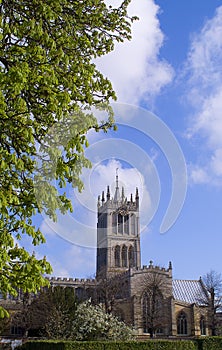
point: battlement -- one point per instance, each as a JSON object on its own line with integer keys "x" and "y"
{"x": 111, "y": 203}
{"x": 156, "y": 269}
{"x": 70, "y": 281}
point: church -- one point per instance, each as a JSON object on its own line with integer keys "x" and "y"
{"x": 145, "y": 297}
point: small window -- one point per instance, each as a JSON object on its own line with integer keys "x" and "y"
{"x": 159, "y": 331}
{"x": 16, "y": 330}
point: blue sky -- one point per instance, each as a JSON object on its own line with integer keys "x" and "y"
{"x": 173, "y": 69}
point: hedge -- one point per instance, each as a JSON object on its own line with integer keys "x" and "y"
{"x": 72, "y": 345}
{"x": 209, "y": 343}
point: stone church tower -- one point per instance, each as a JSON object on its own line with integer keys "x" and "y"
{"x": 147, "y": 298}
{"x": 118, "y": 233}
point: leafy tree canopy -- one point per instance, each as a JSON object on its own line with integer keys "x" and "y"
{"x": 47, "y": 78}
{"x": 50, "y": 314}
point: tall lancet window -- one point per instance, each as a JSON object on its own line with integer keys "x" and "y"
{"x": 146, "y": 312}
{"x": 114, "y": 222}
{"x": 126, "y": 224}
{"x": 124, "y": 256}
{"x": 131, "y": 257}
{"x": 133, "y": 222}
{"x": 202, "y": 326}
{"x": 117, "y": 256}
{"x": 120, "y": 223}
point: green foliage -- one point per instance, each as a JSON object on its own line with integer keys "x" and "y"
{"x": 48, "y": 84}
{"x": 50, "y": 314}
{"x": 209, "y": 343}
{"x": 62, "y": 314}
{"x": 148, "y": 345}
{"x": 93, "y": 323}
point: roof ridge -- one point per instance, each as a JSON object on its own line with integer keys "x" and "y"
{"x": 188, "y": 280}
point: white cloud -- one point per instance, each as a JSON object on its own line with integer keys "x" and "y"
{"x": 216, "y": 162}
{"x": 204, "y": 72}
{"x": 198, "y": 175}
{"x": 209, "y": 118}
{"x": 135, "y": 68}
{"x": 205, "y": 54}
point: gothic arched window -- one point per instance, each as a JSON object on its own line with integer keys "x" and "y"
{"x": 132, "y": 220}
{"x": 131, "y": 257}
{"x": 114, "y": 222}
{"x": 152, "y": 309}
{"x": 202, "y": 326}
{"x": 146, "y": 312}
{"x": 182, "y": 324}
{"x": 124, "y": 256}
{"x": 126, "y": 224}
{"x": 117, "y": 256}
{"x": 120, "y": 223}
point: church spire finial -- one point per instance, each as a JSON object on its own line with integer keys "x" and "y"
{"x": 123, "y": 195}
{"x": 117, "y": 194}
{"x": 117, "y": 180}
{"x": 108, "y": 193}
{"x": 137, "y": 197}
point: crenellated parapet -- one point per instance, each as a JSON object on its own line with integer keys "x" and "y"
{"x": 71, "y": 282}
{"x": 157, "y": 268}
{"x": 152, "y": 269}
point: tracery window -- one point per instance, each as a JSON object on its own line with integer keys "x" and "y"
{"x": 182, "y": 324}
{"x": 152, "y": 310}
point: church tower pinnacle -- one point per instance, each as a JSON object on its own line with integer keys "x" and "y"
{"x": 118, "y": 232}
{"x": 117, "y": 193}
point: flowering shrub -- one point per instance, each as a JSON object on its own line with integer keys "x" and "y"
{"x": 91, "y": 322}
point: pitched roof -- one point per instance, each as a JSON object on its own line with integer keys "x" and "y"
{"x": 189, "y": 291}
